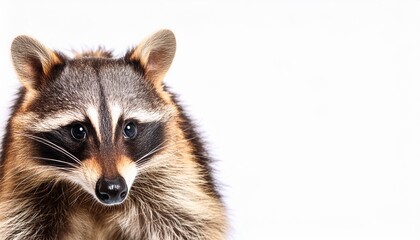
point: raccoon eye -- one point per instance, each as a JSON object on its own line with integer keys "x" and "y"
{"x": 130, "y": 130}
{"x": 78, "y": 132}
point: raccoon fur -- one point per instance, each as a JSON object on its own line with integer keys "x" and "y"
{"x": 97, "y": 147}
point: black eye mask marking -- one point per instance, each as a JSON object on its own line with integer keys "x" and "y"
{"x": 64, "y": 147}
{"x": 148, "y": 141}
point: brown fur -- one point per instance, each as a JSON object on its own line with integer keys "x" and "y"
{"x": 173, "y": 195}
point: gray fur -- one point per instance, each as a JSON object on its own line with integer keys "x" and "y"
{"x": 172, "y": 195}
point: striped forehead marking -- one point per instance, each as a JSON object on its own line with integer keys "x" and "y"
{"x": 146, "y": 116}
{"x": 93, "y": 115}
{"x": 53, "y": 121}
{"x": 116, "y": 113}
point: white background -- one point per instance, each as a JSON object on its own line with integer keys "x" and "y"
{"x": 312, "y": 108}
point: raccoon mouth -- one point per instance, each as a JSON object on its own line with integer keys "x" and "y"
{"x": 111, "y": 191}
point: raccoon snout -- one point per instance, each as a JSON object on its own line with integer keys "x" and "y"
{"x": 111, "y": 191}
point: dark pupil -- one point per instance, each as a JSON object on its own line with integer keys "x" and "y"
{"x": 78, "y": 132}
{"x": 130, "y": 130}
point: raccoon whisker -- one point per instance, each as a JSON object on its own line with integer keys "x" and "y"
{"x": 148, "y": 166}
{"x": 54, "y": 146}
{"x": 51, "y": 188}
{"x": 80, "y": 195}
{"x": 34, "y": 170}
{"x": 157, "y": 148}
{"x": 108, "y": 158}
{"x": 152, "y": 164}
{"x": 56, "y": 160}
{"x": 162, "y": 146}
{"x": 76, "y": 194}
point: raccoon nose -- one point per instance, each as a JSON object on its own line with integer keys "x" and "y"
{"x": 111, "y": 191}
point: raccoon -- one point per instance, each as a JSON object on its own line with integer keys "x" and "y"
{"x": 97, "y": 147}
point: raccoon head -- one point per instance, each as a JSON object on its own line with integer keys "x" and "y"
{"x": 92, "y": 120}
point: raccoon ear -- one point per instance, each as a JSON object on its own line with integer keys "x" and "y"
{"x": 32, "y": 61}
{"x": 155, "y": 55}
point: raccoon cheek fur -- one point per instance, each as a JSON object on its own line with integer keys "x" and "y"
{"x": 97, "y": 147}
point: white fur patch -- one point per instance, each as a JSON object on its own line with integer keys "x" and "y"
{"x": 128, "y": 171}
{"x": 116, "y": 112}
{"x": 51, "y": 122}
{"x": 86, "y": 176}
{"x": 93, "y": 115}
{"x": 147, "y": 116}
